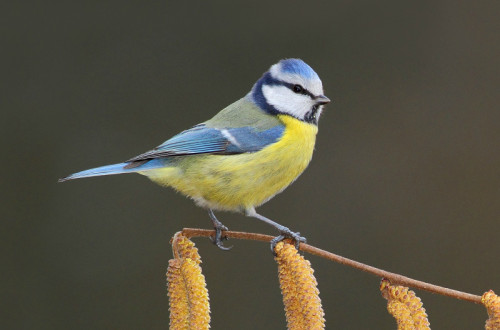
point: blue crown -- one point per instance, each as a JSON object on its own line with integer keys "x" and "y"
{"x": 299, "y": 67}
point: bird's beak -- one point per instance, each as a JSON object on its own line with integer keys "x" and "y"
{"x": 321, "y": 99}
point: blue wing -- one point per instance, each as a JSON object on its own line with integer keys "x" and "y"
{"x": 198, "y": 140}
{"x": 209, "y": 140}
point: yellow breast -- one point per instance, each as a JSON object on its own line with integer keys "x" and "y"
{"x": 239, "y": 182}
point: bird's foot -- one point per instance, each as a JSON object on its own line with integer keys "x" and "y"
{"x": 217, "y": 240}
{"x": 219, "y": 228}
{"x": 287, "y": 233}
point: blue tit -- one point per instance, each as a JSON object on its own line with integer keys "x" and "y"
{"x": 246, "y": 154}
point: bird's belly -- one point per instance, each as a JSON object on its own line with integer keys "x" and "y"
{"x": 239, "y": 182}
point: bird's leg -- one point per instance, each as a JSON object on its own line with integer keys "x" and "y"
{"x": 285, "y": 232}
{"x": 219, "y": 227}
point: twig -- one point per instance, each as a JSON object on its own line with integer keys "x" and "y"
{"x": 393, "y": 277}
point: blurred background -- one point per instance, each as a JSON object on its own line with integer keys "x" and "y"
{"x": 406, "y": 173}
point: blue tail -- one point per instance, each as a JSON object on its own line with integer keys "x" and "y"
{"x": 115, "y": 169}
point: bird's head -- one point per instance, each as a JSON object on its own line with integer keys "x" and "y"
{"x": 291, "y": 87}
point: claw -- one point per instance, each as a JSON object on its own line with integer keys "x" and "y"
{"x": 219, "y": 228}
{"x": 287, "y": 233}
{"x": 284, "y": 231}
{"x": 217, "y": 240}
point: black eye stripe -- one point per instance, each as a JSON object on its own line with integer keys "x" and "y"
{"x": 304, "y": 91}
{"x": 270, "y": 80}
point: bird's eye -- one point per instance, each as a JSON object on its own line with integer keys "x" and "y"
{"x": 298, "y": 89}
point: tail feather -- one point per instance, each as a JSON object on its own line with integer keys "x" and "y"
{"x": 114, "y": 169}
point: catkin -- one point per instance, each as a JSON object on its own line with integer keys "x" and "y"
{"x": 492, "y": 303}
{"x": 404, "y": 306}
{"x": 187, "y": 292}
{"x": 298, "y": 285}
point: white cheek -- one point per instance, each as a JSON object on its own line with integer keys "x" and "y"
{"x": 286, "y": 101}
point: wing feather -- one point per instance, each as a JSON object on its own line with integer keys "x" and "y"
{"x": 209, "y": 140}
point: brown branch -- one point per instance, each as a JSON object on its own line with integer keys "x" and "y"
{"x": 393, "y": 277}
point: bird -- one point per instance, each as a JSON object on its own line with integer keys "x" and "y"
{"x": 246, "y": 154}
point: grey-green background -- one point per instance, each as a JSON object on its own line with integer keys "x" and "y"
{"x": 406, "y": 173}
